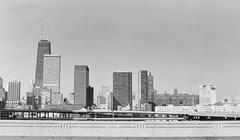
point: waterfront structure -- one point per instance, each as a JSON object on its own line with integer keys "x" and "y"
{"x": 122, "y": 89}
{"x": 51, "y": 72}
{"x": 217, "y": 109}
{"x": 150, "y": 88}
{"x": 144, "y": 86}
{"x": 120, "y": 130}
{"x": 14, "y": 88}
{"x": 207, "y": 94}
{"x": 81, "y": 83}
{"x": 176, "y": 99}
{"x": 44, "y": 47}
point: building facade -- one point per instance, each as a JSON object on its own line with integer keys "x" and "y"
{"x": 44, "y": 47}
{"x": 81, "y": 83}
{"x": 14, "y": 88}
{"x": 1, "y": 82}
{"x": 51, "y": 72}
{"x": 122, "y": 89}
{"x": 176, "y": 99}
{"x": 90, "y": 93}
{"x": 144, "y": 86}
{"x": 207, "y": 94}
{"x": 150, "y": 88}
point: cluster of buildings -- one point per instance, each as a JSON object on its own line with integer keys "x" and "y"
{"x": 45, "y": 91}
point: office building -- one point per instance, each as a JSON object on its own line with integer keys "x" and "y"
{"x": 81, "y": 83}
{"x": 14, "y": 88}
{"x": 1, "y": 82}
{"x": 90, "y": 92}
{"x": 51, "y": 72}
{"x": 150, "y": 88}
{"x": 44, "y": 47}
{"x": 144, "y": 86}
{"x": 30, "y": 98}
{"x": 207, "y": 94}
{"x": 176, "y": 99}
{"x": 122, "y": 89}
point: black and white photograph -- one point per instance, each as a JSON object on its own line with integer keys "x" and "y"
{"x": 119, "y": 69}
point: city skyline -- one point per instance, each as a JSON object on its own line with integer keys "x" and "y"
{"x": 183, "y": 44}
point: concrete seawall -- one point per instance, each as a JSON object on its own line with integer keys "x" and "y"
{"x": 120, "y": 129}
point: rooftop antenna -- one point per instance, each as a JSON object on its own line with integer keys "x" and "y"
{"x": 41, "y": 32}
{"x": 48, "y": 28}
{"x": 47, "y": 31}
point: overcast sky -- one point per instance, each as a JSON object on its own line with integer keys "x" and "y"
{"x": 184, "y": 43}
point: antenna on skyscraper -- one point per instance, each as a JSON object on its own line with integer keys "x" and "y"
{"x": 48, "y": 28}
{"x": 47, "y": 31}
{"x": 41, "y": 32}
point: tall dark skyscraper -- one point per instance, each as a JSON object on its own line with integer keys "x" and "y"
{"x": 144, "y": 86}
{"x": 90, "y": 92}
{"x": 150, "y": 88}
{"x": 44, "y": 47}
{"x": 122, "y": 89}
{"x": 1, "y": 82}
{"x": 81, "y": 83}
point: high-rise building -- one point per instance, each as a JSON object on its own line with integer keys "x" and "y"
{"x": 90, "y": 92}
{"x": 81, "y": 83}
{"x": 14, "y": 88}
{"x": 51, "y": 72}
{"x": 144, "y": 86}
{"x": 150, "y": 88}
{"x": 1, "y": 82}
{"x": 207, "y": 94}
{"x": 122, "y": 89}
{"x": 44, "y": 47}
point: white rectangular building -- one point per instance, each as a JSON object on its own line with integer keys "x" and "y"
{"x": 51, "y": 72}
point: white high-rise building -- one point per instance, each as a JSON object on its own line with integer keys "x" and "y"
{"x": 51, "y": 72}
{"x": 14, "y": 88}
{"x": 207, "y": 95}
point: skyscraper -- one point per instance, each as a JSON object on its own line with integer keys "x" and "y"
{"x": 14, "y": 88}
{"x": 122, "y": 89}
{"x": 144, "y": 86}
{"x": 90, "y": 92}
{"x": 150, "y": 88}
{"x": 81, "y": 83}
{"x": 207, "y": 95}
{"x": 44, "y": 47}
{"x": 1, "y": 82}
{"x": 51, "y": 72}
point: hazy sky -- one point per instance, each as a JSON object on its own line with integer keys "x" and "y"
{"x": 184, "y": 43}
